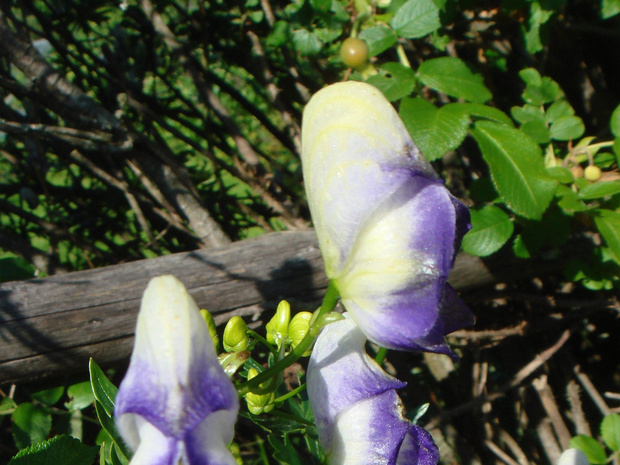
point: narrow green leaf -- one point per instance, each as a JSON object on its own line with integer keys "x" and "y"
{"x": 567, "y": 128}
{"x": 31, "y": 424}
{"x": 395, "y": 81}
{"x": 610, "y": 430}
{"x": 491, "y": 229}
{"x": 608, "y": 224}
{"x": 589, "y": 446}
{"x": 59, "y": 450}
{"x": 598, "y": 190}
{"x": 416, "y": 18}
{"x": 103, "y": 389}
{"x": 108, "y": 424}
{"x": 452, "y": 77}
{"x": 614, "y": 122}
{"x": 516, "y": 166}
{"x": 379, "y": 38}
{"x": 435, "y": 131}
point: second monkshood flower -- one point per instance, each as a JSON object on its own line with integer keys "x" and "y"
{"x": 359, "y": 416}
{"x": 388, "y": 228}
{"x": 175, "y": 405}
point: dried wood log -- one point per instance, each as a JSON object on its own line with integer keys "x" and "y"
{"x": 51, "y": 326}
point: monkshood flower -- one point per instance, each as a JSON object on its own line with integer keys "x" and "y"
{"x": 175, "y": 405}
{"x": 359, "y": 416}
{"x": 388, "y": 228}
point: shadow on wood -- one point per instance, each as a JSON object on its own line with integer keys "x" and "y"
{"x": 51, "y": 326}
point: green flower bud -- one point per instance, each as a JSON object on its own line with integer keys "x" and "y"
{"x": 277, "y": 328}
{"x": 297, "y": 330}
{"x": 212, "y": 329}
{"x": 236, "y": 335}
{"x": 259, "y": 403}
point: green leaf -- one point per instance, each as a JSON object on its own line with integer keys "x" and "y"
{"x": 395, "y": 81}
{"x": 49, "y": 396}
{"x": 284, "y": 452}
{"x": 416, "y": 18}
{"x": 537, "y": 130}
{"x": 80, "y": 396}
{"x": 610, "y": 430}
{"x": 616, "y": 148}
{"x": 539, "y": 90}
{"x": 527, "y": 113}
{"x": 531, "y": 77}
{"x": 103, "y": 389}
{"x": 567, "y": 128}
{"x": 589, "y": 446}
{"x": 379, "y": 38}
{"x": 31, "y": 424}
{"x": 610, "y": 8}
{"x": 482, "y": 190}
{"x": 516, "y": 166}
{"x": 538, "y": 17}
{"x": 108, "y": 424}
{"x": 452, "y": 77}
{"x": 491, "y": 229}
{"x": 63, "y": 450}
{"x": 306, "y": 43}
{"x": 614, "y": 121}
{"x": 435, "y": 131}
{"x": 478, "y": 110}
{"x": 608, "y": 224}
{"x": 598, "y": 190}
{"x": 557, "y": 110}
{"x": 7, "y": 406}
{"x": 280, "y": 35}
{"x": 561, "y": 174}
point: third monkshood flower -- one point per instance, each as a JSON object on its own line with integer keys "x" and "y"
{"x": 175, "y": 406}
{"x": 359, "y": 416}
{"x": 388, "y": 228}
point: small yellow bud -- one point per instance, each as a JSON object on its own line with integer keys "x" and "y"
{"x": 259, "y": 403}
{"x": 277, "y": 328}
{"x": 592, "y": 173}
{"x": 236, "y": 335}
{"x": 297, "y": 330}
{"x": 212, "y": 329}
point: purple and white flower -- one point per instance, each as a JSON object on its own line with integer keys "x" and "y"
{"x": 175, "y": 405}
{"x": 388, "y": 228}
{"x": 359, "y": 416}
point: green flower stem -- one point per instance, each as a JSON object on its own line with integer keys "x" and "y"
{"x": 402, "y": 56}
{"x": 290, "y": 394}
{"x": 329, "y": 303}
{"x": 264, "y": 341}
{"x": 381, "y": 353}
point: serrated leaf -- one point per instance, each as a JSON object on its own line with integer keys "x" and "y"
{"x": 557, "y": 110}
{"x": 306, "y": 43}
{"x": 608, "y": 224}
{"x": 63, "y": 450}
{"x": 31, "y": 424}
{"x": 491, "y": 229}
{"x": 80, "y": 396}
{"x": 478, "y": 110}
{"x": 516, "y": 166}
{"x": 452, "y": 77}
{"x": 561, "y": 174}
{"x": 49, "y": 396}
{"x": 598, "y": 190}
{"x": 416, "y": 18}
{"x": 589, "y": 446}
{"x": 379, "y": 38}
{"x": 103, "y": 389}
{"x": 527, "y": 113}
{"x": 395, "y": 81}
{"x": 567, "y": 128}
{"x": 610, "y": 430}
{"x": 435, "y": 131}
{"x": 537, "y": 130}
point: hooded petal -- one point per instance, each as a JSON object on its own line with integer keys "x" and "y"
{"x": 174, "y": 384}
{"x": 388, "y": 228}
{"x": 358, "y": 414}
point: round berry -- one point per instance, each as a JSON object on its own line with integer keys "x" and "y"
{"x": 592, "y": 173}
{"x": 354, "y": 52}
{"x": 577, "y": 171}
